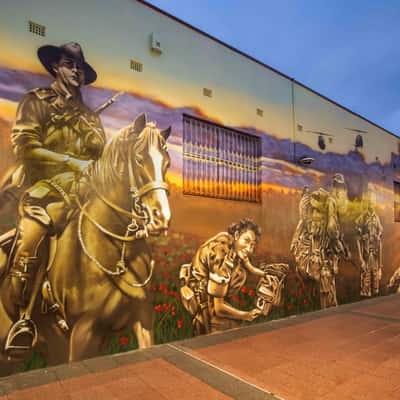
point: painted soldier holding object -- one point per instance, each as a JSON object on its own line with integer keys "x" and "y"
{"x": 218, "y": 271}
{"x": 318, "y": 243}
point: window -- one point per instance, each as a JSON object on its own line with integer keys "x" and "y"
{"x": 396, "y": 190}
{"x": 220, "y": 162}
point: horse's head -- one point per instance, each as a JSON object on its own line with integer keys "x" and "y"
{"x": 138, "y": 158}
{"x": 149, "y": 161}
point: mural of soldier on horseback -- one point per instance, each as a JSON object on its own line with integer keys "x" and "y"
{"x": 55, "y": 138}
{"x": 66, "y": 165}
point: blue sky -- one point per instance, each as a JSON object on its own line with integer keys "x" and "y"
{"x": 347, "y": 50}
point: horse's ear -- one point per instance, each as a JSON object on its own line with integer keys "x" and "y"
{"x": 165, "y": 133}
{"x": 139, "y": 123}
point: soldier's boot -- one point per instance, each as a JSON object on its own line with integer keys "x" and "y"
{"x": 25, "y": 285}
{"x": 23, "y": 334}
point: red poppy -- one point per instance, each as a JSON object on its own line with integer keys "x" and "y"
{"x": 300, "y": 291}
{"x": 158, "y": 307}
{"x": 305, "y": 301}
{"x": 235, "y": 297}
{"x": 166, "y": 306}
{"x": 173, "y": 313}
{"x": 242, "y": 302}
{"x": 162, "y": 287}
{"x": 251, "y": 293}
{"x": 289, "y": 307}
{"x": 244, "y": 289}
{"x": 123, "y": 340}
{"x": 179, "y": 324}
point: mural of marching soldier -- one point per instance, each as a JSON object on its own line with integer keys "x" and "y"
{"x": 318, "y": 243}
{"x": 219, "y": 270}
{"x": 369, "y": 245}
{"x": 394, "y": 282}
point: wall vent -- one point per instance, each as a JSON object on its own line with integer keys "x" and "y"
{"x": 260, "y": 112}
{"x": 136, "y": 66}
{"x": 207, "y": 92}
{"x": 36, "y": 29}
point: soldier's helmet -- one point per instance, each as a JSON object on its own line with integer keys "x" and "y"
{"x": 338, "y": 180}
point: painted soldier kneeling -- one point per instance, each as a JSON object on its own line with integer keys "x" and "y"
{"x": 218, "y": 271}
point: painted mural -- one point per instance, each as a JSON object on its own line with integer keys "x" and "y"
{"x": 102, "y": 251}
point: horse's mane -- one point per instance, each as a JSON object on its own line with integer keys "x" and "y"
{"x": 108, "y": 169}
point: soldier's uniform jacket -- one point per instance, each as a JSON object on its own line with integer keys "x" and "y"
{"x": 216, "y": 276}
{"x": 370, "y": 231}
{"x": 318, "y": 237}
{"x": 50, "y": 118}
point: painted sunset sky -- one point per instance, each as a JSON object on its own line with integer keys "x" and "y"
{"x": 278, "y": 170}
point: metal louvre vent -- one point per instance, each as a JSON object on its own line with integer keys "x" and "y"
{"x": 220, "y": 162}
{"x": 207, "y": 92}
{"x": 36, "y": 29}
{"x": 136, "y": 66}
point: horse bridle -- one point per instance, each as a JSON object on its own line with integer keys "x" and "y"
{"x": 134, "y": 231}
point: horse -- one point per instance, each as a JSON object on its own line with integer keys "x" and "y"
{"x": 99, "y": 269}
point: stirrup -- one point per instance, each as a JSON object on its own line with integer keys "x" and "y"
{"x": 22, "y": 337}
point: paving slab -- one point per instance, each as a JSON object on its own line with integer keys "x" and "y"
{"x": 344, "y": 353}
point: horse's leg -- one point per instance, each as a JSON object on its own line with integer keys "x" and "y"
{"x": 143, "y": 327}
{"x": 56, "y": 342}
{"x": 86, "y": 339}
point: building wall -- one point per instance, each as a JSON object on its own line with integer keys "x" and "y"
{"x": 171, "y": 84}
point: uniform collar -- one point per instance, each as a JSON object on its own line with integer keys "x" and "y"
{"x": 62, "y": 91}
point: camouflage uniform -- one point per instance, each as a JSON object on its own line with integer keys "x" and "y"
{"x": 318, "y": 242}
{"x": 369, "y": 229}
{"x": 213, "y": 275}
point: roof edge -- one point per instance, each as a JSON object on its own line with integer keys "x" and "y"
{"x": 249, "y": 57}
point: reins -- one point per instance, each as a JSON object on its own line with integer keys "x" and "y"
{"x": 134, "y": 231}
